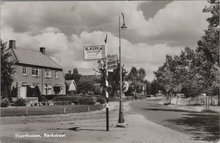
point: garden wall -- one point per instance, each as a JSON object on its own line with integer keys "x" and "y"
{"x": 49, "y": 110}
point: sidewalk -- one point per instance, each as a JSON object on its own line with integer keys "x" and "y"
{"x": 93, "y": 130}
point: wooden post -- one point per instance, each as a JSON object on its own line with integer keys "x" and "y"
{"x": 64, "y": 110}
{"x": 26, "y": 111}
{"x": 88, "y": 108}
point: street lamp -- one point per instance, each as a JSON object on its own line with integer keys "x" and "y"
{"x": 121, "y": 112}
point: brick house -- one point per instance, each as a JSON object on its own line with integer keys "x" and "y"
{"x": 35, "y": 69}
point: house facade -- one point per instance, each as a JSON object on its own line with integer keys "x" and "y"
{"x": 35, "y": 70}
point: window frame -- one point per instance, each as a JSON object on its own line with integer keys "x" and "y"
{"x": 56, "y": 74}
{"x": 24, "y": 68}
{"x": 47, "y": 73}
{"x": 36, "y": 71}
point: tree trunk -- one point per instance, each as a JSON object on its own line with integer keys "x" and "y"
{"x": 170, "y": 96}
{"x": 6, "y": 92}
{"x": 218, "y": 100}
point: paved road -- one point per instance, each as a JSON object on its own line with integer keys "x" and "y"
{"x": 201, "y": 126}
{"x": 90, "y": 127}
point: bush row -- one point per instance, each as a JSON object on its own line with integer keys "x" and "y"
{"x": 77, "y": 100}
{"x": 19, "y": 102}
{"x": 49, "y": 110}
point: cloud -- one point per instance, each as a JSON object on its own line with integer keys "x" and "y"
{"x": 178, "y": 23}
{"x": 65, "y": 27}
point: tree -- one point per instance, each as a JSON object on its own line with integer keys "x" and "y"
{"x": 133, "y": 74}
{"x": 208, "y": 49}
{"x": 75, "y": 75}
{"x": 155, "y": 86}
{"x": 113, "y": 77}
{"x": 141, "y": 74}
{"x": 194, "y": 72}
{"x": 148, "y": 87}
{"x": 85, "y": 87}
{"x": 136, "y": 78}
{"x": 7, "y": 70}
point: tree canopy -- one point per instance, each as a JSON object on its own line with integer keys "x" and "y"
{"x": 195, "y": 71}
{"x": 7, "y": 70}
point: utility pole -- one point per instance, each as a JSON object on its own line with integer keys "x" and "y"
{"x": 121, "y": 111}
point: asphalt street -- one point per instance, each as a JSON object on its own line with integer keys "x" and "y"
{"x": 199, "y": 125}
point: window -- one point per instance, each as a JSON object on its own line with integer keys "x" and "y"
{"x": 35, "y": 72}
{"x": 48, "y": 89}
{"x": 24, "y": 70}
{"x": 56, "y": 74}
{"x": 47, "y": 73}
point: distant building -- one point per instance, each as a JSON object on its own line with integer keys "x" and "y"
{"x": 34, "y": 69}
{"x": 71, "y": 86}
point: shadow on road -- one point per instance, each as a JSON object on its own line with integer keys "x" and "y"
{"x": 202, "y": 126}
{"x": 172, "y": 110}
{"x": 82, "y": 129}
{"x": 78, "y": 129}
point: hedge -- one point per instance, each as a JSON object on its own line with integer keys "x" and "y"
{"x": 49, "y": 110}
{"x": 4, "y": 102}
{"x": 77, "y": 100}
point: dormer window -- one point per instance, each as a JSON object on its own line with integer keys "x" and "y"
{"x": 35, "y": 72}
{"x": 48, "y": 73}
{"x": 24, "y": 70}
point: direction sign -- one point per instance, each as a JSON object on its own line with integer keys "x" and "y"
{"x": 94, "y": 52}
{"x": 112, "y": 62}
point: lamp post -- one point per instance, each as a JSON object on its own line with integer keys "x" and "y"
{"x": 121, "y": 112}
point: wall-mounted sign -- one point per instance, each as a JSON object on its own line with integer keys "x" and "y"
{"x": 112, "y": 62}
{"x": 94, "y": 52}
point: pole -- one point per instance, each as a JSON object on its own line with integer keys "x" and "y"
{"x": 106, "y": 91}
{"x": 107, "y": 108}
{"x": 121, "y": 114}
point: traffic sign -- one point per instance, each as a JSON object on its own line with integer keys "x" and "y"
{"x": 112, "y": 62}
{"x": 94, "y": 52}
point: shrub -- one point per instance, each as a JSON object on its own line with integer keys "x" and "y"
{"x": 42, "y": 99}
{"x": 4, "y": 102}
{"x": 20, "y": 102}
{"x": 101, "y": 100}
{"x": 88, "y": 100}
{"x": 51, "y": 96}
{"x": 61, "y": 103}
{"x": 77, "y": 100}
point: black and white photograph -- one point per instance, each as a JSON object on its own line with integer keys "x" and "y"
{"x": 110, "y": 71}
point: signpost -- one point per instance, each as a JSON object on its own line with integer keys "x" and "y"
{"x": 112, "y": 62}
{"x": 94, "y": 52}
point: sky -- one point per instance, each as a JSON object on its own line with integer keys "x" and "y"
{"x": 154, "y": 29}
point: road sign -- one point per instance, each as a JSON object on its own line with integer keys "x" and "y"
{"x": 94, "y": 52}
{"x": 112, "y": 62}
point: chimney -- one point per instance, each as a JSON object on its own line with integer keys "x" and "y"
{"x": 42, "y": 50}
{"x": 12, "y": 44}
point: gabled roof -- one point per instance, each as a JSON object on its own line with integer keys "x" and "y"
{"x": 36, "y": 58}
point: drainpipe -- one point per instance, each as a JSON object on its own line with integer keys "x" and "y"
{"x": 42, "y": 85}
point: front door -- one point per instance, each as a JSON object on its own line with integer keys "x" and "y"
{"x": 23, "y": 92}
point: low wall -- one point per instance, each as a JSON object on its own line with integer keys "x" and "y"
{"x": 49, "y": 110}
